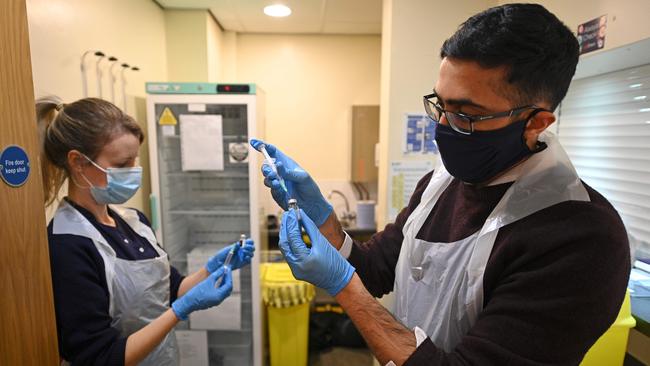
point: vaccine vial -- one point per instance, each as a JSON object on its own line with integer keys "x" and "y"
{"x": 293, "y": 203}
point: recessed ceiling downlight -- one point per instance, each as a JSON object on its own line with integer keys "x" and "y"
{"x": 277, "y": 10}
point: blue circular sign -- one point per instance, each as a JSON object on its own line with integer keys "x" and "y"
{"x": 14, "y": 166}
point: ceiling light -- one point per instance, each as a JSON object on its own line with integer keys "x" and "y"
{"x": 638, "y": 85}
{"x": 277, "y": 10}
{"x": 640, "y": 97}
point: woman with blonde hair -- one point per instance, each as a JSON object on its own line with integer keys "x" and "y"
{"x": 117, "y": 299}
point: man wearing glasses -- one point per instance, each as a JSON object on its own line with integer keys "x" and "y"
{"x": 503, "y": 255}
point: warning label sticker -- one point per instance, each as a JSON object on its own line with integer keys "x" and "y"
{"x": 167, "y": 118}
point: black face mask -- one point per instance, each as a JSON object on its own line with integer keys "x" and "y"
{"x": 482, "y": 155}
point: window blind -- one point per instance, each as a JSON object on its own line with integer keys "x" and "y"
{"x": 604, "y": 125}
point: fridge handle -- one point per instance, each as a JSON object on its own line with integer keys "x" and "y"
{"x": 153, "y": 204}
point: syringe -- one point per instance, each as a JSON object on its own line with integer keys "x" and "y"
{"x": 271, "y": 163}
{"x": 231, "y": 252}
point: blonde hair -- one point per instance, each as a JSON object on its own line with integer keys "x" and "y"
{"x": 86, "y": 125}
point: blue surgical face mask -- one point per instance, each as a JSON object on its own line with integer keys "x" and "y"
{"x": 478, "y": 157}
{"x": 122, "y": 183}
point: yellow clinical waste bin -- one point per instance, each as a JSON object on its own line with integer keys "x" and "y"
{"x": 287, "y": 304}
{"x": 609, "y": 349}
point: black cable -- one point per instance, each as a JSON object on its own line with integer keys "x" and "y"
{"x": 356, "y": 188}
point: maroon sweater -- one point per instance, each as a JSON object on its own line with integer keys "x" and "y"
{"x": 553, "y": 284}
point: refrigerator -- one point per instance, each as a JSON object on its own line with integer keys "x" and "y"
{"x": 206, "y": 185}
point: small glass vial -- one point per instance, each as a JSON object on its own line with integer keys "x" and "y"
{"x": 293, "y": 203}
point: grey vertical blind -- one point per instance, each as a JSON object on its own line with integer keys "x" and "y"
{"x": 604, "y": 125}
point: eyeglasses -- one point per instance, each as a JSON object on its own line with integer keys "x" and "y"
{"x": 461, "y": 122}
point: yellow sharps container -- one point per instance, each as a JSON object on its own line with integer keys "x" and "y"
{"x": 287, "y": 304}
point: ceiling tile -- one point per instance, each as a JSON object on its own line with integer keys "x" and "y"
{"x": 308, "y": 16}
{"x": 189, "y": 4}
{"x": 362, "y": 11}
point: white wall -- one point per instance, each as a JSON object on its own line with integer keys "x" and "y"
{"x": 311, "y": 83}
{"x": 228, "y": 57}
{"x": 198, "y": 50}
{"x": 627, "y": 20}
{"x": 193, "y": 46}
{"x": 61, "y": 30}
{"x": 214, "y": 41}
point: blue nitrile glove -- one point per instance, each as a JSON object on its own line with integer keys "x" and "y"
{"x": 240, "y": 258}
{"x": 204, "y": 295}
{"x": 321, "y": 265}
{"x": 299, "y": 184}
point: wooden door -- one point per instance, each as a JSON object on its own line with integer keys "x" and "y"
{"x": 365, "y": 135}
{"x": 27, "y": 323}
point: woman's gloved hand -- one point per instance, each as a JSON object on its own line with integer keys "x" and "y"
{"x": 299, "y": 184}
{"x": 321, "y": 265}
{"x": 204, "y": 295}
{"x": 241, "y": 257}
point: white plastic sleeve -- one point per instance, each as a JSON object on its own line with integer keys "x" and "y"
{"x": 346, "y": 248}
{"x": 420, "y": 336}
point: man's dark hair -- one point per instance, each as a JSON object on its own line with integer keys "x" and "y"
{"x": 539, "y": 52}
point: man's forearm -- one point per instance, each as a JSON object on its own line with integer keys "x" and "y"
{"x": 332, "y": 230}
{"x": 388, "y": 339}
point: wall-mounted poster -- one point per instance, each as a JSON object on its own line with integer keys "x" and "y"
{"x": 591, "y": 35}
{"x": 420, "y": 134}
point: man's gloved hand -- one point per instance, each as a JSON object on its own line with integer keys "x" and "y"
{"x": 321, "y": 265}
{"x": 299, "y": 183}
{"x": 240, "y": 258}
{"x": 204, "y": 295}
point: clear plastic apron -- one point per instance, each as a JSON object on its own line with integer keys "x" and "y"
{"x": 139, "y": 290}
{"x": 439, "y": 286}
